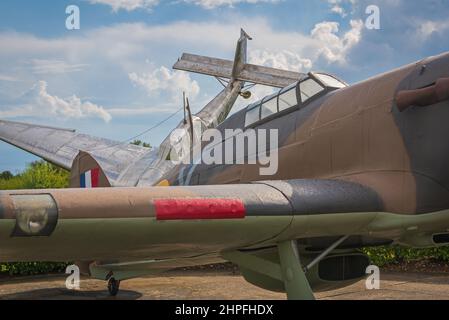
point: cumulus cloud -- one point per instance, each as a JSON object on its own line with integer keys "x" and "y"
{"x": 117, "y": 56}
{"x": 39, "y": 103}
{"x": 211, "y": 4}
{"x": 163, "y": 79}
{"x": 128, "y": 5}
{"x": 129, "y": 45}
{"x": 283, "y": 59}
{"x": 428, "y": 28}
{"x": 342, "y": 7}
{"x": 335, "y": 48}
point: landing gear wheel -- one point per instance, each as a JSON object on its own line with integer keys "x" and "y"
{"x": 113, "y": 287}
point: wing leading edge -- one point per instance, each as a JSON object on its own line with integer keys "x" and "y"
{"x": 174, "y": 222}
{"x": 178, "y": 218}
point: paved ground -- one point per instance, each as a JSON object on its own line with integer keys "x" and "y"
{"x": 220, "y": 285}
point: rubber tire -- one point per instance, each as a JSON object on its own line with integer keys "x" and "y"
{"x": 113, "y": 287}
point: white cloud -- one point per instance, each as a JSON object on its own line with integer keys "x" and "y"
{"x": 283, "y": 59}
{"x": 335, "y": 48}
{"x": 427, "y": 28}
{"x": 128, "y": 5}
{"x": 55, "y": 67}
{"x": 129, "y": 45}
{"x": 339, "y": 10}
{"x": 39, "y": 103}
{"x": 211, "y": 4}
{"x": 163, "y": 79}
{"x": 117, "y": 54}
{"x": 341, "y": 7}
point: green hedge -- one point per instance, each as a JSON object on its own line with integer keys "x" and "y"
{"x": 394, "y": 255}
{"x": 32, "y": 268}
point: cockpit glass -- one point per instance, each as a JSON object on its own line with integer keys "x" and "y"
{"x": 252, "y": 116}
{"x": 330, "y": 81}
{"x": 309, "y": 88}
{"x": 288, "y": 100}
{"x": 269, "y": 108}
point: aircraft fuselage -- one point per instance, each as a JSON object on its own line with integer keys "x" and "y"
{"x": 358, "y": 134}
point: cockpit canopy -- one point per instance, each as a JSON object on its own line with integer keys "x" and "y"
{"x": 292, "y": 96}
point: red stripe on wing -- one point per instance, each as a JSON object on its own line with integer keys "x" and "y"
{"x": 199, "y": 209}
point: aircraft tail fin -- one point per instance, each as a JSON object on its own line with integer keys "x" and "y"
{"x": 238, "y": 69}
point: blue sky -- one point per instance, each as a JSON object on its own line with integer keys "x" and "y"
{"x": 113, "y": 78}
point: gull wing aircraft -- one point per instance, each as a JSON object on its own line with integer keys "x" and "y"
{"x": 359, "y": 165}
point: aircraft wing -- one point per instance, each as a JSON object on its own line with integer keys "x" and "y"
{"x": 153, "y": 221}
{"x": 61, "y": 146}
{"x": 276, "y": 231}
{"x": 173, "y": 222}
{"x": 219, "y": 217}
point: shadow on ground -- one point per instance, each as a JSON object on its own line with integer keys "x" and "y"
{"x": 64, "y": 294}
{"x": 220, "y": 286}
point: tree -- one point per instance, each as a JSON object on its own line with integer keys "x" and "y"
{"x": 6, "y": 175}
{"x": 38, "y": 175}
{"x": 141, "y": 144}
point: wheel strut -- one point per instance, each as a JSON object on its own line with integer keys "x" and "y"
{"x": 296, "y": 284}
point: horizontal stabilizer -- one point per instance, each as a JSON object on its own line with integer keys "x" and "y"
{"x": 250, "y": 73}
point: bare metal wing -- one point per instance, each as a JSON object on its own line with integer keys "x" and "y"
{"x": 61, "y": 146}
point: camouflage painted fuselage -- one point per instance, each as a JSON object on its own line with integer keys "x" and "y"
{"x": 357, "y": 134}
